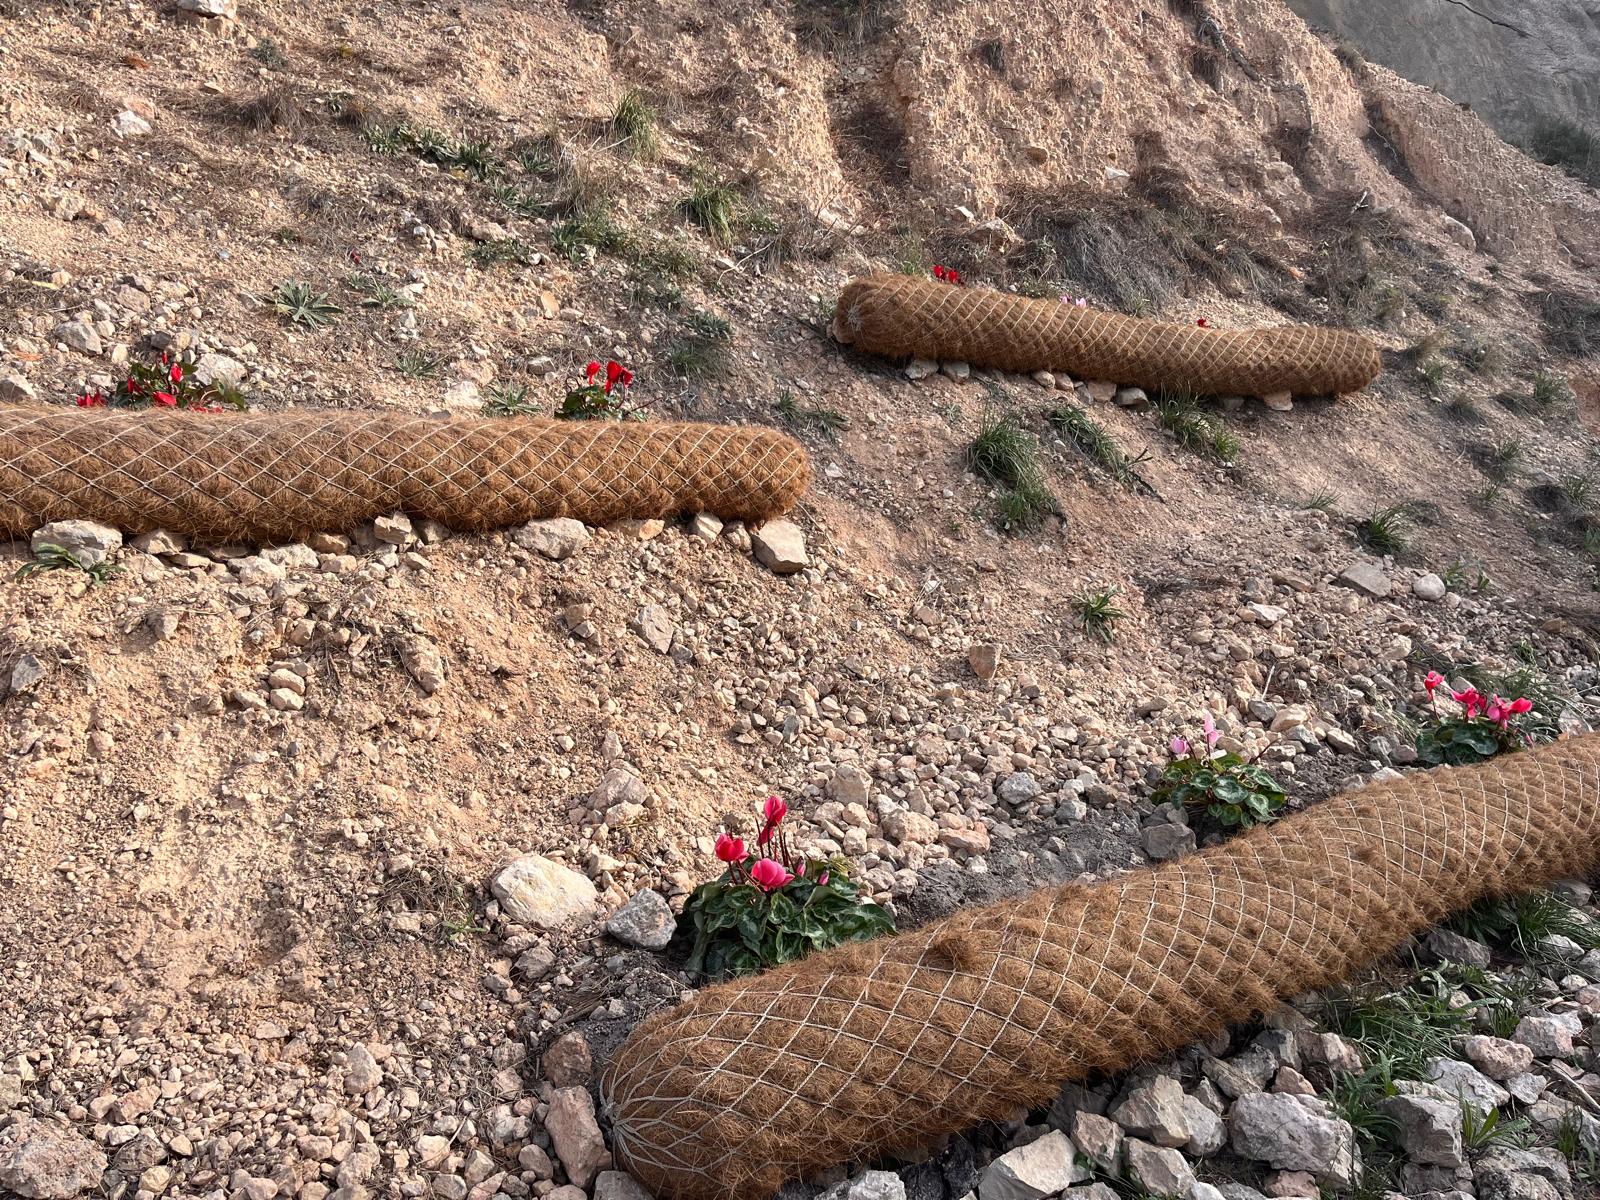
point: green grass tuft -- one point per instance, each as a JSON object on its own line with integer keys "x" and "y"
{"x": 1095, "y": 442}
{"x": 714, "y": 205}
{"x": 633, "y": 123}
{"x": 1388, "y": 530}
{"x": 1196, "y": 431}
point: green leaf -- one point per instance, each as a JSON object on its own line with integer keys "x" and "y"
{"x": 1229, "y": 791}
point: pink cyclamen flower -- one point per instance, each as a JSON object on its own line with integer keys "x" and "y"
{"x": 1210, "y": 727}
{"x": 1083, "y": 302}
{"x": 822, "y": 880}
{"x": 1433, "y": 682}
{"x": 730, "y": 849}
{"x": 774, "y": 810}
{"x": 1521, "y": 705}
{"x": 1179, "y": 746}
{"x": 769, "y": 874}
{"x": 1471, "y": 699}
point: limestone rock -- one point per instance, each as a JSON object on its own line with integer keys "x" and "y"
{"x": 568, "y": 1062}
{"x": 1465, "y": 1082}
{"x": 40, "y": 1160}
{"x": 1429, "y": 1130}
{"x": 654, "y": 624}
{"x": 1042, "y": 1168}
{"x": 1167, "y": 841}
{"x": 1293, "y": 1133}
{"x": 1158, "y": 1170}
{"x": 1156, "y": 1113}
{"x": 1546, "y": 1036}
{"x": 576, "y": 1135}
{"x": 619, "y": 1185}
{"x": 869, "y": 1185}
{"x": 555, "y": 537}
{"x": 984, "y": 659}
{"x": 361, "y": 1071}
{"x": 219, "y": 368}
{"x": 80, "y": 335}
{"x": 1367, "y": 578}
{"x": 1100, "y": 1140}
{"x": 781, "y": 547}
{"x": 645, "y": 921}
{"x": 536, "y": 891}
{"x": 1428, "y": 587}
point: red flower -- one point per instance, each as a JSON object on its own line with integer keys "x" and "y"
{"x": 133, "y": 386}
{"x": 774, "y": 810}
{"x": 1433, "y": 681}
{"x": 730, "y": 849}
{"x": 1203, "y": 323}
{"x": 1520, "y": 706}
{"x": 1471, "y": 698}
{"x": 591, "y": 370}
{"x": 939, "y": 273}
{"x": 770, "y": 874}
{"x": 91, "y": 400}
{"x": 165, "y": 399}
{"x": 176, "y": 374}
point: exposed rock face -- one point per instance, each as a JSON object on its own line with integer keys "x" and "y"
{"x": 1513, "y": 61}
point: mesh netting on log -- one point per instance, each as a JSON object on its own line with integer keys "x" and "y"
{"x": 273, "y": 476}
{"x": 900, "y": 315}
{"x": 856, "y": 1052}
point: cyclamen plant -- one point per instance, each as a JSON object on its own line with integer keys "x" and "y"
{"x": 1487, "y": 726}
{"x": 772, "y": 906}
{"x": 1227, "y": 789}
{"x": 595, "y": 400}
{"x": 166, "y": 384}
{"x": 948, "y": 275}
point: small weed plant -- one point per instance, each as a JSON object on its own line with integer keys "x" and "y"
{"x": 829, "y": 422}
{"x": 298, "y": 303}
{"x": 48, "y": 556}
{"x": 714, "y": 205}
{"x": 1097, "y": 612}
{"x": 1224, "y": 789}
{"x": 1196, "y": 431}
{"x": 1524, "y": 925}
{"x": 508, "y": 400}
{"x": 418, "y": 364}
{"x": 772, "y": 906}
